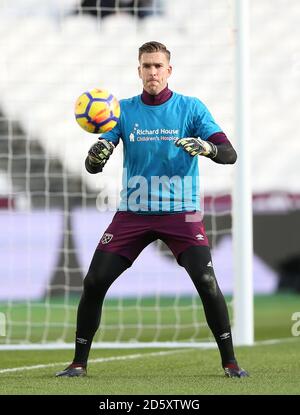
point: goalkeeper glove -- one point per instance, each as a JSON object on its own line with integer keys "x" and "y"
{"x": 197, "y": 147}
{"x": 100, "y": 152}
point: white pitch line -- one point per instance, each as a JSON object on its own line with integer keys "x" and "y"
{"x": 140, "y": 355}
{"x": 99, "y": 360}
{"x": 276, "y": 341}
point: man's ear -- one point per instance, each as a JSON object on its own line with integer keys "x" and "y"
{"x": 170, "y": 69}
{"x": 139, "y": 71}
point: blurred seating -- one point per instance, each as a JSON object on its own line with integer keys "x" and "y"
{"x": 44, "y": 66}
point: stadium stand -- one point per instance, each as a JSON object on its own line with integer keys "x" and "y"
{"x": 50, "y": 64}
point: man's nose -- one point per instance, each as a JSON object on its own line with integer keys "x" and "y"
{"x": 152, "y": 70}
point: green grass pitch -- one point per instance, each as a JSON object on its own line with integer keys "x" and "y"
{"x": 274, "y": 367}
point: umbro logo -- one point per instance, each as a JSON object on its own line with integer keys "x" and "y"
{"x": 209, "y": 264}
{"x": 200, "y": 237}
{"x": 224, "y": 336}
{"x": 81, "y": 340}
{"x": 106, "y": 238}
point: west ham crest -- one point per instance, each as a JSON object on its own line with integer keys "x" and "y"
{"x": 107, "y": 237}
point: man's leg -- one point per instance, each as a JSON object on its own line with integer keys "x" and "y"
{"x": 197, "y": 261}
{"x": 104, "y": 270}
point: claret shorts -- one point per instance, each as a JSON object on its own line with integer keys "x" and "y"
{"x": 129, "y": 233}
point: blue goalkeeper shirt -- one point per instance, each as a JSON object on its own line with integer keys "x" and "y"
{"x": 159, "y": 177}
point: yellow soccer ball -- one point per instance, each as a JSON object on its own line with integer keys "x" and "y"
{"x": 97, "y": 111}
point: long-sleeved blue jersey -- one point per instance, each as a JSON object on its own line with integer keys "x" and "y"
{"x": 159, "y": 177}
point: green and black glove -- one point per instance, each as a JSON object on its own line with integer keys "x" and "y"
{"x": 195, "y": 146}
{"x": 98, "y": 155}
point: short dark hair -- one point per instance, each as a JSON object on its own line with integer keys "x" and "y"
{"x": 152, "y": 47}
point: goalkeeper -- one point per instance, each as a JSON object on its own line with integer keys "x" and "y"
{"x": 163, "y": 132}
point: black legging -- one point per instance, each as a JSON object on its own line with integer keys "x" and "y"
{"x": 105, "y": 269}
{"x": 198, "y": 263}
